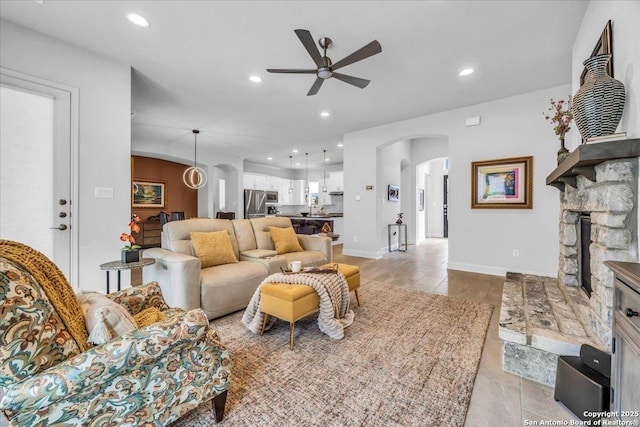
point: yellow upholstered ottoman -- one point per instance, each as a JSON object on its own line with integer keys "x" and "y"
{"x": 351, "y": 273}
{"x": 288, "y": 302}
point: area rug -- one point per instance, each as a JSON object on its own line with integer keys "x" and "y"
{"x": 409, "y": 359}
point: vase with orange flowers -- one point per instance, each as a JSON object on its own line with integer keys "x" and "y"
{"x": 131, "y": 253}
{"x": 561, "y": 116}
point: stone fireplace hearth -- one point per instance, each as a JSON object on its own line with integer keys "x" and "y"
{"x": 542, "y": 318}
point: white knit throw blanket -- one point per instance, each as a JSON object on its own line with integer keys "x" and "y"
{"x": 333, "y": 291}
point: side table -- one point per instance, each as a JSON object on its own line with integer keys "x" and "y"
{"x": 400, "y": 227}
{"x": 119, "y": 266}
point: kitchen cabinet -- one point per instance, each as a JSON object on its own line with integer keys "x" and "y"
{"x": 252, "y": 181}
{"x": 248, "y": 181}
{"x": 297, "y": 198}
{"x": 336, "y": 181}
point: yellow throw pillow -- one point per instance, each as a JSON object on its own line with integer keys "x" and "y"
{"x": 213, "y": 248}
{"x": 285, "y": 240}
{"x": 149, "y": 316}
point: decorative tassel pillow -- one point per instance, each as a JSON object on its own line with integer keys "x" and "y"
{"x": 105, "y": 319}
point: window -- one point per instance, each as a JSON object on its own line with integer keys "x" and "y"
{"x": 222, "y": 186}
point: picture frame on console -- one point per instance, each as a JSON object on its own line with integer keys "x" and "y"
{"x": 502, "y": 183}
{"x": 148, "y": 193}
{"x": 393, "y": 193}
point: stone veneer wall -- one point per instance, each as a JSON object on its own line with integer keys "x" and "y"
{"x": 612, "y": 202}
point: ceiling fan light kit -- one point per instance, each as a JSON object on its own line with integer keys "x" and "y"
{"x": 325, "y": 68}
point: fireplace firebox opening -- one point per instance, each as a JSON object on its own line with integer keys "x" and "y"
{"x": 584, "y": 263}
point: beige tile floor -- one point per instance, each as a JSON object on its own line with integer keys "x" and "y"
{"x": 499, "y": 398}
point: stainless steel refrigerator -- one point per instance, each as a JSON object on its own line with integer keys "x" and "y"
{"x": 255, "y": 203}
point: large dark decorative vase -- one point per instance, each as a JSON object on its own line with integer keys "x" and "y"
{"x": 598, "y": 104}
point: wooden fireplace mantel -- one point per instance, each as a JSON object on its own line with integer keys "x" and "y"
{"x": 586, "y": 157}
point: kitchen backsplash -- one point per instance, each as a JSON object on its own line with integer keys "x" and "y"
{"x": 336, "y": 206}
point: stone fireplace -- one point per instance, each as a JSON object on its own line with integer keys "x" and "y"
{"x": 611, "y": 204}
{"x": 544, "y": 317}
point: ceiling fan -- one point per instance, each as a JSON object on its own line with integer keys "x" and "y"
{"x": 326, "y": 69}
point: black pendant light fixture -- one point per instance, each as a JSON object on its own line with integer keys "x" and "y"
{"x": 306, "y": 177}
{"x": 290, "y": 174}
{"x": 195, "y": 177}
{"x": 324, "y": 170}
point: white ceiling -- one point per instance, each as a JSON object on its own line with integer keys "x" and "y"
{"x": 190, "y": 68}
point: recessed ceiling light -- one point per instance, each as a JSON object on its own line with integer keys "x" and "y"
{"x": 325, "y": 114}
{"x": 340, "y": 145}
{"x": 466, "y": 72}
{"x": 256, "y": 79}
{"x": 269, "y": 158}
{"x": 138, "y": 20}
{"x": 294, "y": 150}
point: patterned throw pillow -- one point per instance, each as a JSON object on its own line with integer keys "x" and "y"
{"x": 213, "y": 248}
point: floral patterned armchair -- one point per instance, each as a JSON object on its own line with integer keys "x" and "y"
{"x": 51, "y": 375}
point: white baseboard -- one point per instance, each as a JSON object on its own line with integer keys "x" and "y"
{"x": 361, "y": 254}
{"x": 494, "y": 271}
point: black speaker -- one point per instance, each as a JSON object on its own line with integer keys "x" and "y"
{"x": 583, "y": 382}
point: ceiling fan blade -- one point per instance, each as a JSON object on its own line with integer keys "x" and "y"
{"x": 356, "y": 81}
{"x": 291, "y": 71}
{"x": 365, "y": 52}
{"x": 316, "y": 86}
{"x": 310, "y": 45}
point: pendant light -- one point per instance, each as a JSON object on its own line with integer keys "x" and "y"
{"x": 306, "y": 177}
{"x": 290, "y": 174}
{"x": 195, "y": 177}
{"x": 324, "y": 170}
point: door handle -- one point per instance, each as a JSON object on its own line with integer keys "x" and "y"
{"x": 61, "y": 227}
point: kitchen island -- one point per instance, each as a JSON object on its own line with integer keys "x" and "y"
{"x": 312, "y": 224}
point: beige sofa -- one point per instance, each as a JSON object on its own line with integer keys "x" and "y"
{"x": 223, "y": 289}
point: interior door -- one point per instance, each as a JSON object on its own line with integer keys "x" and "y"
{"x": 35, "y": 167}
{"x": 445, "y": 205}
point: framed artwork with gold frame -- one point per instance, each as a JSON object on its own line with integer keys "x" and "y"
{"x": 148, "y": 193}
{"x": 502, "y": 183}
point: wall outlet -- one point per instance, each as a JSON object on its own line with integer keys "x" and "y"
{"x": 516, "y": 253}
{"x": 355, "y": 239}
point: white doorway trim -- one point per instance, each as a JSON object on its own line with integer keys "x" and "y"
{"x": 7, "y": 74}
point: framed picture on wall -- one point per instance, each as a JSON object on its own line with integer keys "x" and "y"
{"x": 393, "y": 193}
{"x": 502, "y": 183}
{"x": 148, "y": 193}
{"x": 420, "y": 199}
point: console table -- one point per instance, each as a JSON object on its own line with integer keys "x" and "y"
{"x": 399, "y": 231}
{"x": 119, "y": 266}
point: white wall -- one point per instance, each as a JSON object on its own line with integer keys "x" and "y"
{"x": 479, "y": 240}
{"x": 389, "y": 172}
{"x": 103, "y": 141}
